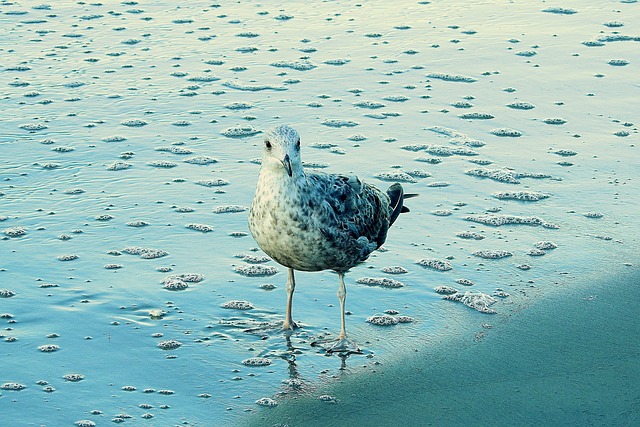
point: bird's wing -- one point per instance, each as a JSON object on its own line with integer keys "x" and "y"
{"x": 352, "y": 209}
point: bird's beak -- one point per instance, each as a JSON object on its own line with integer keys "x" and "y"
{"x": 286, "y": 162}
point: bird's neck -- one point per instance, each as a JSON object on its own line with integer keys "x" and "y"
{"x": 276, "y": 175}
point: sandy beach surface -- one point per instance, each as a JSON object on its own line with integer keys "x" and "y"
{"x": 571, "y": 360}
{"x": 130, "y": 288}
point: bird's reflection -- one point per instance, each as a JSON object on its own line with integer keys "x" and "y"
{"x": 294, "y": 349}
{"x": 295, "y": 382}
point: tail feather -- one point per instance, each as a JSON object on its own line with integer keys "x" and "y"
{"x": 396, "y": 194}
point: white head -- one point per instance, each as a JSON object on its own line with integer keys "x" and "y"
{"x": 282, "y": 150}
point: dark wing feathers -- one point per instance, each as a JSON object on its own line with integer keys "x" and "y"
{"x": 357, "y": 209}
{"x": 353, "y": 216}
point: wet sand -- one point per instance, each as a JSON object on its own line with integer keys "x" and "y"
{"x": 573, "y": 360}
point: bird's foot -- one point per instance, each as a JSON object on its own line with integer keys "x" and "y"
{"x": 290, "y": 325}
{"x": 343, "y": 346}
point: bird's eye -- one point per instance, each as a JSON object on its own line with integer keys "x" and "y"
{"x": 268, "y": 144}
{"x": 298, "y": 144}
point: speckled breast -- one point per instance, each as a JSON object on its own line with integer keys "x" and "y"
{"x": 288, "y": 237}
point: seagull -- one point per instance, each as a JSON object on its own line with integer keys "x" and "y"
{"x": 309, "y": 221}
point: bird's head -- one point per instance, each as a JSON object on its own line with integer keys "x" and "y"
{"x": 282, "y": 149}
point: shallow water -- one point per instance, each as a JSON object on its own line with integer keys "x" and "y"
{"x": 87, "y": 85}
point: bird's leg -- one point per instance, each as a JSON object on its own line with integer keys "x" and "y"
{"x": 291, "y": 286}
{"x": 342, "y": 344}
{"x": 342, "y": 296}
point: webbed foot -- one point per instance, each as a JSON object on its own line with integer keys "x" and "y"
{"x": 290, "y": 325}
{"x": 344, "y": 346}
